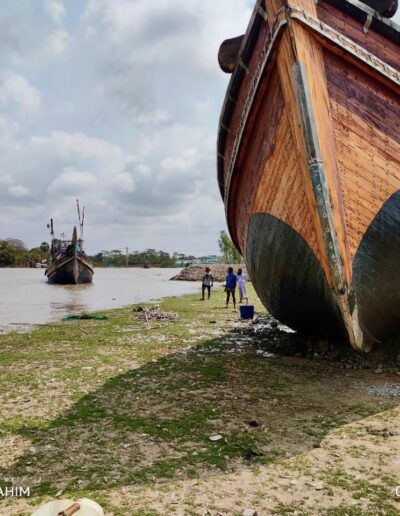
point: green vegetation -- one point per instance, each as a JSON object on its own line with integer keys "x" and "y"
{"x": 122, "y": 410}
{"x": 228, "y": 250}
{"x": 14, "y": 253}
{"x": 150, "y": 257}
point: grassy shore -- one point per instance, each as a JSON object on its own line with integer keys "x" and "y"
{"x": 122, "y": 411}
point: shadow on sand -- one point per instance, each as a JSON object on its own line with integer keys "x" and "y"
{"x": 155, "y": 422}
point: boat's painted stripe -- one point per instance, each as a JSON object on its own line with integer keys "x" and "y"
{"x": 317, "y": 175}
{"x": 55, "y": 266}
{"x": 80, "y": 259}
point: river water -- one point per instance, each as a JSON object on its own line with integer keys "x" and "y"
{"x": 26, "y": 298}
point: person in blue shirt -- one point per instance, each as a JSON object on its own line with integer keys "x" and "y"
{"x": 230, "y": 287}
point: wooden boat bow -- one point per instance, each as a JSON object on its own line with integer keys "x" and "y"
{"x": 303, "y": 76}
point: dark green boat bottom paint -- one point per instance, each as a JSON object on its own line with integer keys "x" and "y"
{"x": 376, "y": 272}
{"x": 291, "y": 282}
{"x": 289, "y": 279}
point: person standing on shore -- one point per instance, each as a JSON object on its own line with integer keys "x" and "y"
{"x": 242, "y": 281}
{"x": 230, "y": 287}
{"x": 207, "y": 283}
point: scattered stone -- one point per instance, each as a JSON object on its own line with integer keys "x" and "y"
{"x": 250, "y": 454}
{"x": 382, "y": 431}
{"x": 319, "y": 485}
{"x": 253, "y": 423}
{"x": 215, "y": 438}
{"x": 386, "y": 390}
{"x": 379, "y": 369}
{"x": 249, "y": 512}
{"x": 267, "y": 335}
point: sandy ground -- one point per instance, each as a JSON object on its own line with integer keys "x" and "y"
{"x": 122, "y": 411}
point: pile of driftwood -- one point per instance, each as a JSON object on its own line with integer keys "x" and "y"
{"x": 154, "y": 313}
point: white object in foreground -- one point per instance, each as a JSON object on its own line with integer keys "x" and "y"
{"x": 215, "y": 437}
{"x": 88, "y": 508}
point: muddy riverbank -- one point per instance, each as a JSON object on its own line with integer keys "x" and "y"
{"x": 187, "y": 410}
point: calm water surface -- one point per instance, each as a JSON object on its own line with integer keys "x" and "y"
{"x": 26, "y": 297}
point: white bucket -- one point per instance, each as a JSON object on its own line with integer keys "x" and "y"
{"x": 88, "y": 508}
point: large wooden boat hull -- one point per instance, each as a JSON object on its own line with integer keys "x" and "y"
{"x": 309, "y": 165}
{"x": 70, "y": 270}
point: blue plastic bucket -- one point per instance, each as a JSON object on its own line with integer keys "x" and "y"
{"x": 247, "y": 311}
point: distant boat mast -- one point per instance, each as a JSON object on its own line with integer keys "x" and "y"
{"x": 80, "y": 218}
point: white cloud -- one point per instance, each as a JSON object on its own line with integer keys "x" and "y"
{"x": 57, "y": 42}
{"x": 153, "y": 118}
{"x": 184, "y": 162}
{"x": 55, "y": 9}
{"x": 16, "y": 90}
{"x": 72, "y": 182}
{"x": 18, "y": 191}
{"x": 126, "y": 119}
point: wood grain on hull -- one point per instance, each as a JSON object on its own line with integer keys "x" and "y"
{"x": 366, "y": 123}
{"x": 270, "y": 178}
{"x": 315, "y": 180}
{"x": 384, "y": 48}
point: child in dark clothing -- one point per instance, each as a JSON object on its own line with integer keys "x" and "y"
{"x": 230, "y": 287}
{"x": 207, "y": 283}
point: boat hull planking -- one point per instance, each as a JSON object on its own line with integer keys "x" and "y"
{"x": 308, "y": 166}
{"x": 70, "y": 270}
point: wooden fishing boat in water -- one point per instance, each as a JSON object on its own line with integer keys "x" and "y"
{"x": 309, "y": 163}
{"x": 70, "y": 264}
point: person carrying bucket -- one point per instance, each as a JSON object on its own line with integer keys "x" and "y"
{"x": 242, "y": 281}
{"x": 230, "y": 287}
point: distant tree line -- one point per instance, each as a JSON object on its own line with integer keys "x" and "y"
{"x": 149, "y": 257}
{"x": 14, "y": 253}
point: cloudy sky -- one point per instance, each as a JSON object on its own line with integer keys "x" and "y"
{"x": 117, "y": 103}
